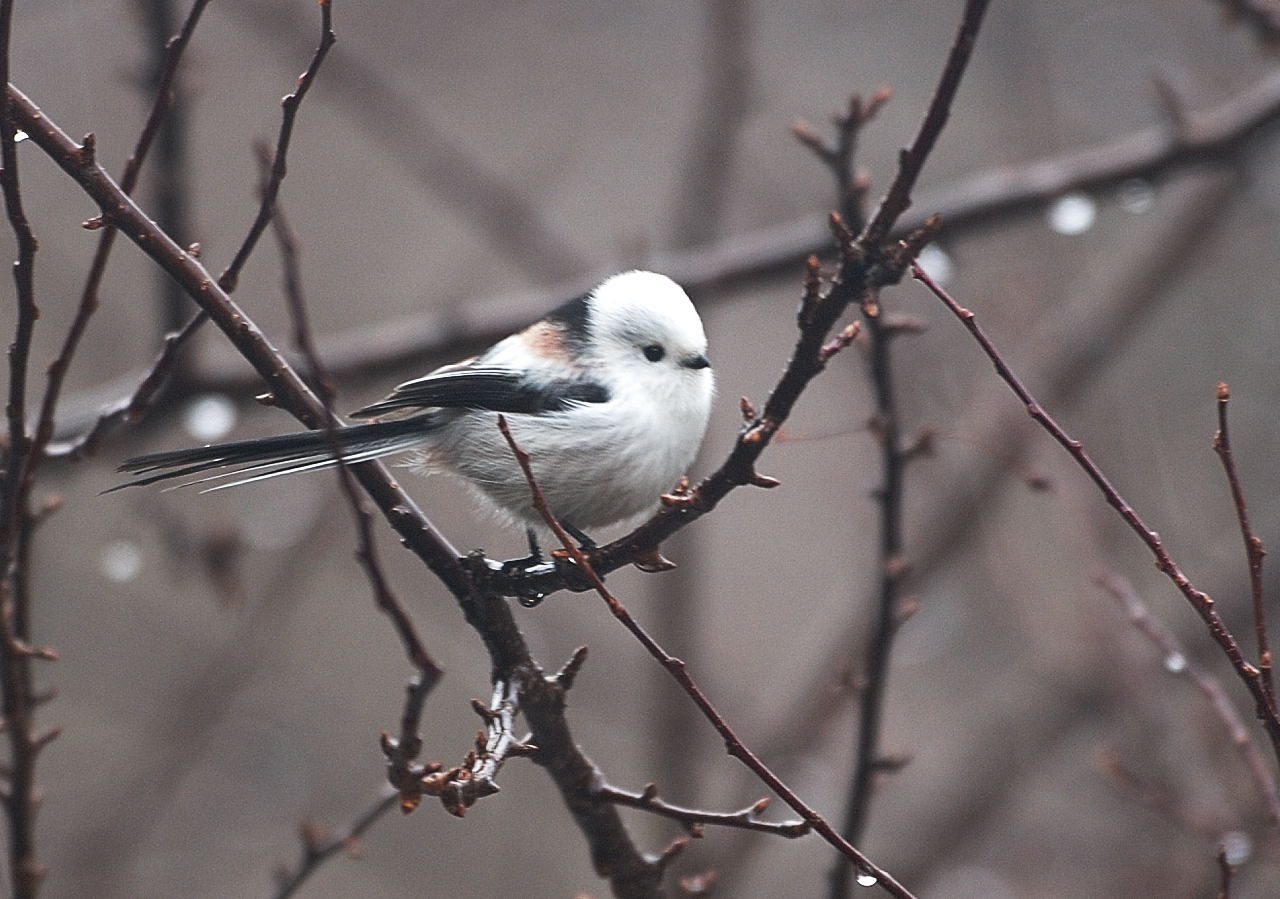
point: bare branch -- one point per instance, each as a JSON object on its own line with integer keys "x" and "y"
{"x": 279, "y": 164}
{"x": 89, "y": 299}
{"x": 911, "y": 160}
{"x": 694, "y": 819}
{"x": 1199, "y": 600}
{"x": 460, "y": 787}
{"x": 676, "y": 668}
{"x": 133, "y": 407}
{"x": 17, "y": 523}
{"x": 319, "y": 847}
{"x": 1253, "y": 548}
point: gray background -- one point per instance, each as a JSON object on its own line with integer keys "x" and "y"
{"x": 454, "y": 155}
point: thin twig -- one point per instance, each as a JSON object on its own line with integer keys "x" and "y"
{"x": 1199, "y": 600}
{"x": 1177, "y": 661}
{"x": 133, "y": 407}
{"x": 1225, "y": 872}
{"x": 318, "y": 848}
{"x": 693, "y": 819}
{"x": 279, "y": 164}
{"x": 487, "y": 199}
{"x": 676, "y": 668}
{"x": 837, "y": 156}
{"x": 1253, "y": 548}
{"x": 911, "y": 160}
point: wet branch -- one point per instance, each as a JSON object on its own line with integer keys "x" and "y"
{"x": 695, "y": 819}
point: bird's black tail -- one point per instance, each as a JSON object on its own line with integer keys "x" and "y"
{"x": 269, "y": 457}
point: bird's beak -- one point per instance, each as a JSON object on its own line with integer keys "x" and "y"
{"x": 696, "y": 362}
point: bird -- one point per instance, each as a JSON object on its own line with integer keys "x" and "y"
{"x": 610, "y": 394}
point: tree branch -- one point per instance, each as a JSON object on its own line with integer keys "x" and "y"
{"x": 1199, "y": 600}
{"x": 1253, "y": 548}
{"x": 694, "y": 819}
{"x": 676, "y": 668}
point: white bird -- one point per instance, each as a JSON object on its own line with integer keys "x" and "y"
{"x": 609, "y": 394}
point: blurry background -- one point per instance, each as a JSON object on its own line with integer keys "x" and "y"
{"x": 460, "y": 167}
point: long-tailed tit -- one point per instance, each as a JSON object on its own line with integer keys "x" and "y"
{"x": 609, "y": 395}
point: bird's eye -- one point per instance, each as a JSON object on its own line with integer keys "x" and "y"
{"x": 654, "y": 352}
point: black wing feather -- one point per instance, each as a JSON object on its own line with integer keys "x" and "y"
{"x": 494, "y": 389}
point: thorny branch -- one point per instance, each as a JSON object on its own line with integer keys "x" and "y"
{"x": 676, "y": 668}
{"x": 1200, "y": 601}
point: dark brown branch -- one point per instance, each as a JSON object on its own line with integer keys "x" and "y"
{"x": 694, "y": 819}
{"x": 1200, "y": 601}
{"x": 837, "y": 157}
{"x": 893, "y": 456}
{"x": 1253, "y": 548}
{"x": 1177, "y": 661}
{"x": 676, "y": 668}
{"x": 17, "y": 524}
{"x": 911, "y": 160}
{"x": 462, "y": 786}
{"x": 287, "y": 388}
{"x": 319, "y": 847}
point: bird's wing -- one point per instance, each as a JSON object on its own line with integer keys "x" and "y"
{"x": 495, "y": 389}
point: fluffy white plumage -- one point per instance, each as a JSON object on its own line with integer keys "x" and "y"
{"x": 609, "y": 394}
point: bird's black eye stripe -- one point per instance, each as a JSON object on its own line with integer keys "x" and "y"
{"x": 654, "y": 352}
